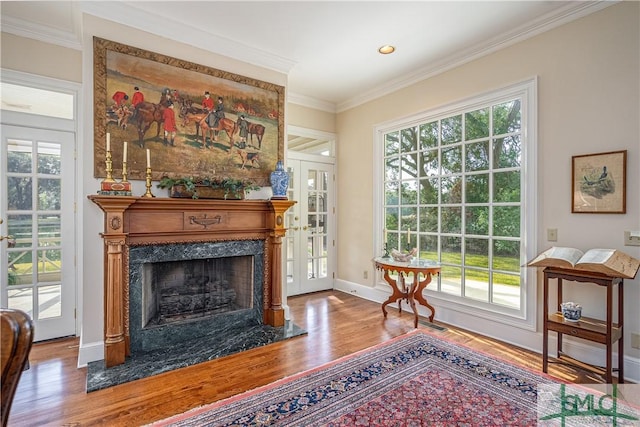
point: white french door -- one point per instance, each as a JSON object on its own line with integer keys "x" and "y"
{"x": 310, "y": 240}
{"x": 37, "y": 211}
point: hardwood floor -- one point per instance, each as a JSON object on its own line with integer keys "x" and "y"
{"x": 52, "y": 392}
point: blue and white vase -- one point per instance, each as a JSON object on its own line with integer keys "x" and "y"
{"x": 279, "y": 181}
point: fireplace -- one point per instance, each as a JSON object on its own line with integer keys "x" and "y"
{"x": 176, "y": 269}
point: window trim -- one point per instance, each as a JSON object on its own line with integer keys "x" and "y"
{"x": 526, "y": 317}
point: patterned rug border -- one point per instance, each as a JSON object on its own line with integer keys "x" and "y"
{"x": 291, "y": 378}
{"x": 484, "y": 353}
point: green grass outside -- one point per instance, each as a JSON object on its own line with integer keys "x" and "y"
{"x": 26, "y": 268}
{"x": 21, "y": 274}
{"x": 501, "y": 263}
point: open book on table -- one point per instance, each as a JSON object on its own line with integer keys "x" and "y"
{"x": 606, "y": 261}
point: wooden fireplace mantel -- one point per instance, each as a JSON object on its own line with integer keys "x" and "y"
{"x": 134, "y": 221}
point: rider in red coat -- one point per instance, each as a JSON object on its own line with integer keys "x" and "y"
{"x": 207, "y": 102}
{"x": 170, "y": 129}
{"x": 138, "y": 97}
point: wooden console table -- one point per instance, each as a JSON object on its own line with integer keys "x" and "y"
{"x": 601, "y": 331}
{"x": 412, "y": 293}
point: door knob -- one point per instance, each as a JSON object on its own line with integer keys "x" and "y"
{"x": 10, "y": 240}
{"x": 9, "y": 237}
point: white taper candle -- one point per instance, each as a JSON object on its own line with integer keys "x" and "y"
{"x": 108, "y": 141}
{"x": 124, "y": 152}
{"x": 148, "y": 159}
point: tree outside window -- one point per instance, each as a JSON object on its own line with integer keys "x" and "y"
{"x": 453, "y": 189}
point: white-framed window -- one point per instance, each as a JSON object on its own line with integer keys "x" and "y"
{"x": 457, "y": 184}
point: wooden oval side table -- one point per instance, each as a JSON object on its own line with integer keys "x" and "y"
{"x": 400, "y": 290}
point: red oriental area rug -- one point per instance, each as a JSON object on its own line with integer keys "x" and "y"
{"x": 412, "y": 380}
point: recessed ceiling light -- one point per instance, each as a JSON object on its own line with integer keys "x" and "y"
{"x": 386, "y": 49}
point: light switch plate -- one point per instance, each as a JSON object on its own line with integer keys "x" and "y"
{"x": 632, "y": 238}
{"x": 552, "y": 234}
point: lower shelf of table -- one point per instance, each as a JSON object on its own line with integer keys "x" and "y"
{"x": 586, "y": 328}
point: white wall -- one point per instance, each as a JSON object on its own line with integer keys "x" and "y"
{"x": 44, "y": 59}
{"x": 310, "y": 118}
{"x": 588, "y": 102}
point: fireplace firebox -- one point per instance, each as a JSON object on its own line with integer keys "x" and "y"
{"x": 187, "y": 290}
{"x": 181, "y": 291}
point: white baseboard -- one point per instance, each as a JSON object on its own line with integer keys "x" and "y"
{"x": 90, "y": 352}
{"x": 530, "y": 340}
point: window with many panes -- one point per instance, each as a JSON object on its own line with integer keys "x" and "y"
{"x": 454, "y": 188}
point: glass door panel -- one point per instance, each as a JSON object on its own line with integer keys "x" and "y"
{"x": 310, "y": 239}
{"x": 292, "y": 223}
{"x": 37, "y": 205}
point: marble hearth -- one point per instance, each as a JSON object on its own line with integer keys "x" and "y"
{"x": 199, "y": 349}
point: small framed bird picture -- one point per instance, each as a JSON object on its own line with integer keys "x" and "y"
{"x": 599, "y": 183}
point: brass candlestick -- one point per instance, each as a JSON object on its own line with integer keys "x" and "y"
{"x": 148, "y": 179}
{"x": 124, "y": 172}
{"x": 109, "y": 166}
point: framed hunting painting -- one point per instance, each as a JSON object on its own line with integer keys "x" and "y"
{"x": 195, "y": 120}
{"x": 599, "y": 183}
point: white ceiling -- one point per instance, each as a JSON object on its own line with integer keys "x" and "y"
{"x": 328, "y": 49}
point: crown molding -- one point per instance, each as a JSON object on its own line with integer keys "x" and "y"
{"x": 310, "y": 102}
{"x": 43, "y": 33}
{"x": 571, "y": 12}
{"x": 153, "y": 23}
{"x": 142, "y": 20}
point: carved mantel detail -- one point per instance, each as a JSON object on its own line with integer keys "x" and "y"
{"x": 134, "y": 221}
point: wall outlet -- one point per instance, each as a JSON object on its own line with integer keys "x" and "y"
{"x": 635, "y": 340}
{"x": 365, "y": 274}
{"x": 632, "y": 238}
{"x": 552, "y": 234}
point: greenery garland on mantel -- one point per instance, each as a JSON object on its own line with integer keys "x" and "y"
{"x": 233, "y": 188}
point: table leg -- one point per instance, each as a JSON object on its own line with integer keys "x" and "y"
{"x": 621, "y": 340}
{"x": 545, "y": 319}
{"x": 421, "y": 299}
{"x": 609, "y": 344}
{"x": 411, "y": 298}
{"x": 395, "y": 295}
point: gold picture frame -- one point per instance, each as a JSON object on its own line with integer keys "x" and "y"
{"x": 249, "y": 155}
{"x": 599, "y": 183}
